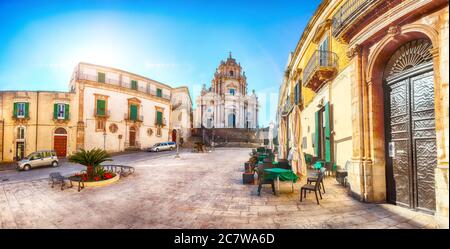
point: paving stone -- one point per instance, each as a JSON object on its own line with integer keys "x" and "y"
{"x": 193, "y": 193}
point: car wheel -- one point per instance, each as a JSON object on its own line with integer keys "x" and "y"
{"x": 55, "y": 164}
{"x": 26, "y": 167}
{"x": 171, "y": 148}
{"x": 156, "y": 150}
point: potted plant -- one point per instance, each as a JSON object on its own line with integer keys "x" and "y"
{"x": 91, "y": 159}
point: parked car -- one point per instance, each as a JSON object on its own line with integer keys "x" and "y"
{"x": 38, "y": 159}
{"x": 163, "y": 146}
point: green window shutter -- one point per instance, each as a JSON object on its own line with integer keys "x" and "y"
{"x": 133, "y": 112}
{"x": 159, "y": 92}
{"x": 317, "y": 139}
{"x": 101, "y": 77}
{"x": 55, "y": 111}
{"x": 15, "y": 110}
{"x": 100, "y": 107}
{"x": 66, "y": 111}
{"x": 159, "y": 118}
{"x": 327, "y": 133}
{"x": 27, "y": 108}
{"x": 134, "y": 84}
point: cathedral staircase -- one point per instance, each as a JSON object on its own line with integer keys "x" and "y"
{"x": 225, "y": 137}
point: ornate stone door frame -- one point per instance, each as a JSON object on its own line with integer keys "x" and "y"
{"x": 368, "y": 111}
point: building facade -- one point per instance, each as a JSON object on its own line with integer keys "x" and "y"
{"x": 227, "y": 104}
{"x": 366, "y": 88}
{"x": 36, "y": 120}
{"x": 105, "y": 108}
{"x": 181, "y": 114}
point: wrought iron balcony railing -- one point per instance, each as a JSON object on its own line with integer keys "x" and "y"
{"x": 104, "y": 114}
{"x": 350, "y": 11}
{"x": 138, "y": 118}
{"x": 321, "y": 66}
{"x": 123, "y": 84}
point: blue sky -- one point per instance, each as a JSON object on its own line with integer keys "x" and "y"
{"x": 175, "y": 42}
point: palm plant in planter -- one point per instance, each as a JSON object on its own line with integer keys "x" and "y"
{"x": 91, "y": 159}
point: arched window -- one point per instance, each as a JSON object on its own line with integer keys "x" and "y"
{"x": 231, "y": 73}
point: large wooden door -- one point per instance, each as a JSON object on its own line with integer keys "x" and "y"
{"x": 60, "y": 142}
{"x": 20, "y": 150}
{"x": 132, "y": 137}
{"x": 411, "y": 139}
{"x": 60, "y": 145}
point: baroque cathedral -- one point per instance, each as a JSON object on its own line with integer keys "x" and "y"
{"x": 227, "y": 103}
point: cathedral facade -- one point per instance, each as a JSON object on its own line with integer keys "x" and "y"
{"x": 227, "y": 103}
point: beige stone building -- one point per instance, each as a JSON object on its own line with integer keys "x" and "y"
{"x": 367, "y": 87}
{"x": 36, "y": 120}
{"x": 105, "y": 108}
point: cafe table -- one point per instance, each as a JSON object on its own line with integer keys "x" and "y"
{"x": 279, "y": 174}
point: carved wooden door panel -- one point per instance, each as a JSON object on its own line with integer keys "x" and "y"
{"x": 399, "y": 143}
{"x": 423, "y": 140}
{"x": 411, "y": 141}
{"x": 410, "y": 126}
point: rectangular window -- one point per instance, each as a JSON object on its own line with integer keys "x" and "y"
{"x": 296, "y": 97}
{"x": 159, "y": 92}
{"x": 20, "y": 110}
{"x": 323, "y": 48}
{"x": 232, "y": 91}
{"x": 159, "y": 118}
{"x": 101, "y": 107}
{"x": 133, "y": 112}
{"x": 134, "y": 85}
{"x": 101, "y": 77}
{"x": 21, "y": 133}
{"x": 60, "y": 111}
{"x": 100, "y": 125}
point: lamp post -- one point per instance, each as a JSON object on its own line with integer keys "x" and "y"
{"x": 177, "y": 156}
{"x": 104, "y": 139}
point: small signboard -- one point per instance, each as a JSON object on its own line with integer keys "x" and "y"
{"x": 391, "y": 149}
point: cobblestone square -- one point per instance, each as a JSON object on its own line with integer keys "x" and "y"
{"x": 197, "y": 191}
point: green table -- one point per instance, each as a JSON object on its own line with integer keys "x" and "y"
{"x": 279, "y": 174}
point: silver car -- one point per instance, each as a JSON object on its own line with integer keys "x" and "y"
{"x": 38, "y": 159}
{"x": 163, "y": 146}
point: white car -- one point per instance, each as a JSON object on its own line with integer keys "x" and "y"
{"x": 38, "y": 159}
{"x": 163, "y": 146}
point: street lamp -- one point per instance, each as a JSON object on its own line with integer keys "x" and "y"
{"x": 177, "y": 156}
{"x": 104, "y": 139}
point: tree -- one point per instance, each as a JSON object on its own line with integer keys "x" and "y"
{"x": 91, "y": 159}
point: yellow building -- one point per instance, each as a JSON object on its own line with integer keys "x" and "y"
{"x": 105, "y": 108}
{"x": 36, "y": 120}
{"x": 366, "y": 89}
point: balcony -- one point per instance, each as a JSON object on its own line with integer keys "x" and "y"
{"x": 143, "y": 89}
{"x": 287, "y": 107}
{"x": 163, "y": 96}
{"x": 322, "y": 66}
{"x": 162, "y": 124}
{"x": 62, "y": 119}
{"x": 138, "y": 118}
{"x": 105, "y": 114}
{"x": 350, "y": 14}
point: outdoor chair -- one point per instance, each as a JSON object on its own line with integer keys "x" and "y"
{"x": 262, "y": 177}
{"x": 310, "y": 187}
{"x": 341, "y": 174}
{"x": 314, "y": 178}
